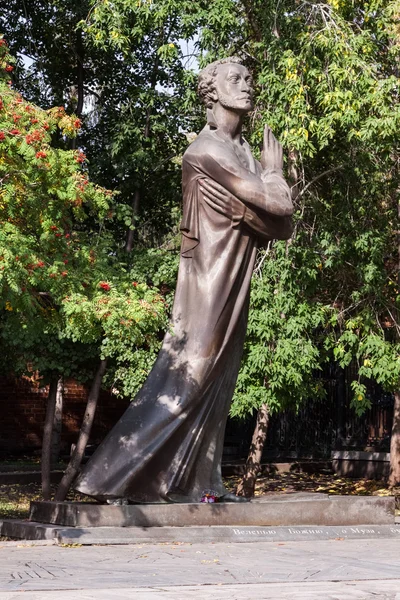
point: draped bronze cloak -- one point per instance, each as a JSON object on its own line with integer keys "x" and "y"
{"x": 168, "y": 444}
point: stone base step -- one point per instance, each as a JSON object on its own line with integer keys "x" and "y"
{"x": 28, "y": 530}
{"x": 292, "y": 509}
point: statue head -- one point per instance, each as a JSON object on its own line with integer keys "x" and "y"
{"x": 228, "y": 82}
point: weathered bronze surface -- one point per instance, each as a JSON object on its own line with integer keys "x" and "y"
{"x": 168, "y": 444}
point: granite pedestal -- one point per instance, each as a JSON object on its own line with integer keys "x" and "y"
{"x": 294, "y": 516}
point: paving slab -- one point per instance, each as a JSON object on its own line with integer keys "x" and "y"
{"x": 293, "y": 509}
{"x": 351, "y": 590}
{"x": 151, "y": 566}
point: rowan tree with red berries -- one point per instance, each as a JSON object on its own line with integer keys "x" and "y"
{"x": 67, "y": 305}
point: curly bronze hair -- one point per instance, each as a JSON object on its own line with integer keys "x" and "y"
{"x": 206, "y": 85}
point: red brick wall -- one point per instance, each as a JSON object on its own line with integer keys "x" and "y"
{"x": 23, "y": 407}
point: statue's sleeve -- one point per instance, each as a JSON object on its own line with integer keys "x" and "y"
{"x": 268, "y": 193}
{"x": 269, "y": 227}
{"x": 259, "y": 196}
{"x": 190, "y": 219}
{"x": 265, "y": 225}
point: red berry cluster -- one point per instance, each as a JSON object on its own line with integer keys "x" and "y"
{"x": 35, "y": 136}
{"x": 80, "y": 158}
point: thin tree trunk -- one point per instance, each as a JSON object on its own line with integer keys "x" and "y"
{"x": 248, "y": 482}
{"x": 47, "y": 435}
{"x": 394, "y": 476}
{"x": 146, "y": 135}
{"x": 80, "y": 73}
{"x": 131, "y": 232}
{"x": 79, "y": 80}
{"x": 293, "y": 172}
{"x": 79, "y": 450}
{"x": 57, "y": 424}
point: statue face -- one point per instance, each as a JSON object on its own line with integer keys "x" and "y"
{"x": 234, "y": 87}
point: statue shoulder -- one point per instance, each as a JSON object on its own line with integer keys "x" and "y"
{"x": 205, "y": 144}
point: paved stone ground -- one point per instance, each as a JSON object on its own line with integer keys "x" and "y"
{"x": 372, "y": 590}
{"x": 335, "y": 569}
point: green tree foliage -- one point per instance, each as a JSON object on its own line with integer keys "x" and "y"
{"x": 284, "y": 337}
{"x": 65, "y": 299}
{"x": 129, "y": 101}
{"x": 327, "y": 83}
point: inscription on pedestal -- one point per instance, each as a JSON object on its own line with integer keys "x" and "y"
{"x": 317, "y": 533}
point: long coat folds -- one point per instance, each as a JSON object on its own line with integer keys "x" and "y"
{"x": 168, "y": 444}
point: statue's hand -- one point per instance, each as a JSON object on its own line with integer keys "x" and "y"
{"x": 272, "y": 153}
{"x": 221, "y": 200}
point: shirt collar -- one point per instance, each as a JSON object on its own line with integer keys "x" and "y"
{"x": 211, "y": 119}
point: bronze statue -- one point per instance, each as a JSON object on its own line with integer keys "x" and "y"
{"x": 167, "y": 446}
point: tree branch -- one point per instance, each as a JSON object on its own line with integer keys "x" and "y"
{"x": 310, "y": 183}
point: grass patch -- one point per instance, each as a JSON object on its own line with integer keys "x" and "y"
{"x": 16, "y": 498}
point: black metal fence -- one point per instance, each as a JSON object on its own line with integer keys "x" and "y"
{"x": 321, "y": 426}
